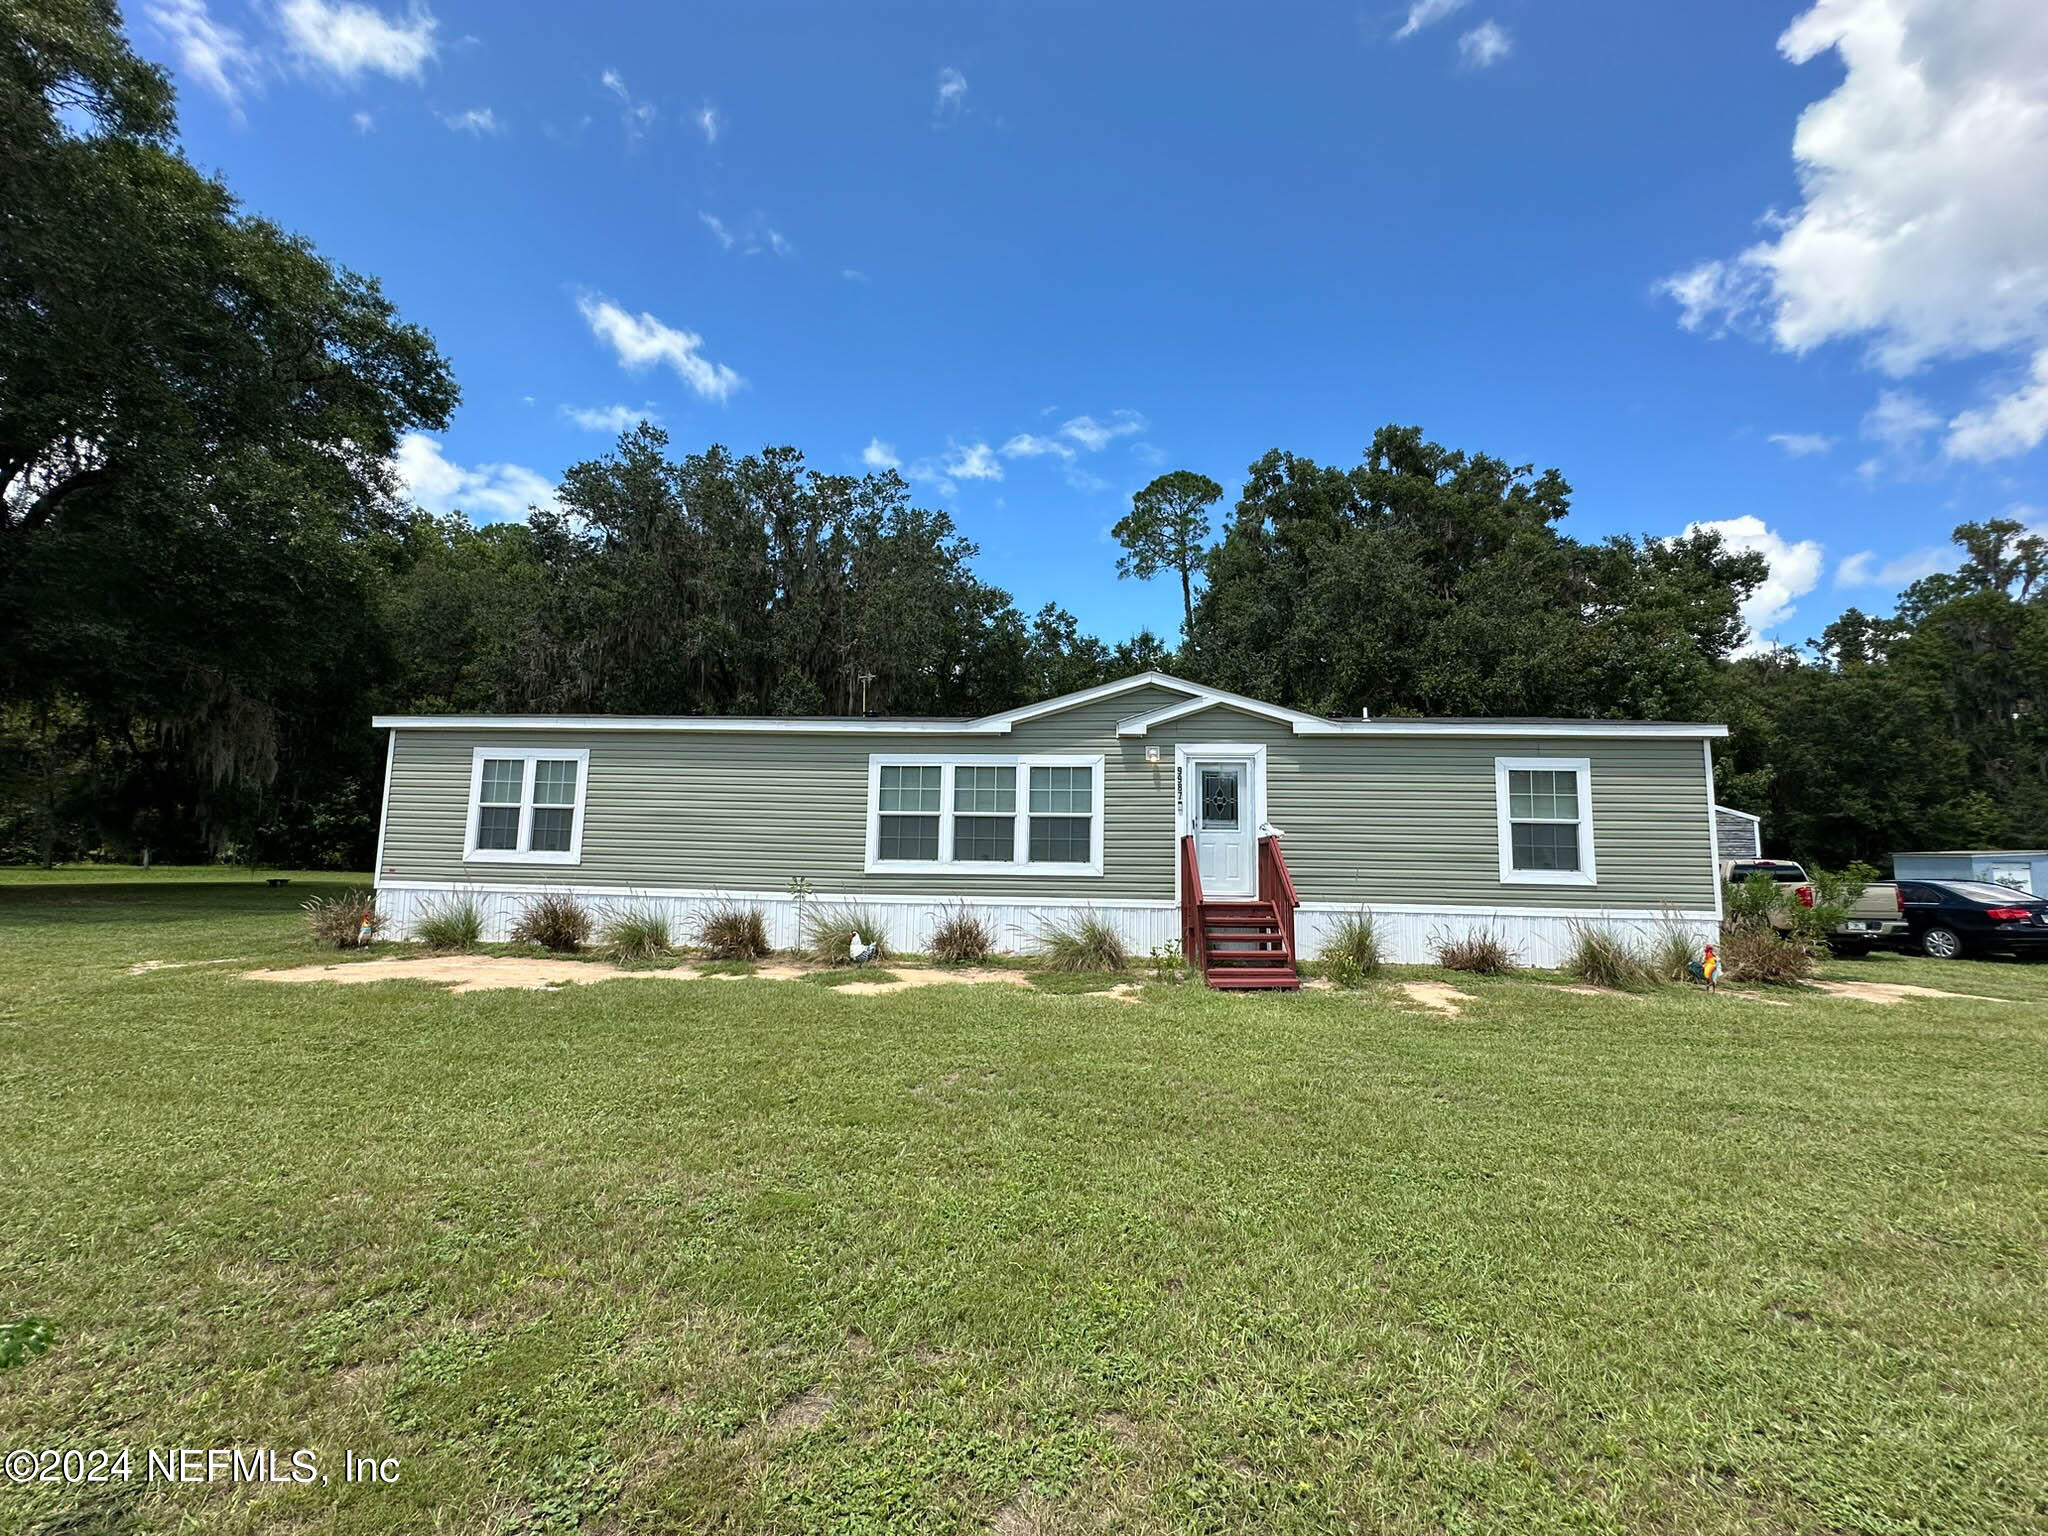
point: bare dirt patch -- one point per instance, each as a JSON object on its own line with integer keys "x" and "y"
{"x": 474, "y": 973}
{"x": 1581, "y": 989}
{"x": 1437, "y": 996}
{"x": 144, "y": 967}
{"x": 481, "y": 973}
{"x": 806, "y": 1410}
{"x": 1890, "y": 992}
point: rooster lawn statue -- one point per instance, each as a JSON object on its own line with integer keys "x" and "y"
{"x": 860, "y": 953}
{"x": 1705, "y": 969}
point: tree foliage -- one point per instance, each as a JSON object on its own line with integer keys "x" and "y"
{"x": 1167, "y": 529}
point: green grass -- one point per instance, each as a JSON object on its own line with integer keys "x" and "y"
{"x": 660, "y": 1256}
{"x": 850, "y": 973}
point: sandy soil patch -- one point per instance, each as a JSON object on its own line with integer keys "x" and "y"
{"x": 144, "y": 967}
{"x": 482, "y": 973}
{"x": 1437, "y": 996}
{"x": 1889, "y": 992}
{"x": 1581, "y": 989}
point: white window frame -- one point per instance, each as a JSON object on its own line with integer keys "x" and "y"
{"x": 1587, "y": 873}
{"x": 945, "y": 863}
{"x": 471, "y": 854}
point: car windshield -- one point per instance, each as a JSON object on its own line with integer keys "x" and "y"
{"x": 1990, "y": 895}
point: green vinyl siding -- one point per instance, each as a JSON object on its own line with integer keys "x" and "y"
{"x": 1387, "y": 819}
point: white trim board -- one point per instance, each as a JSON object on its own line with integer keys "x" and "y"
{"x": 1197, "y": 697}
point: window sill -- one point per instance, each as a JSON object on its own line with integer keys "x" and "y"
{"x": 969, "y": 867}
{"x": 514, "y": 856}
{"x": 1547, "y": 877}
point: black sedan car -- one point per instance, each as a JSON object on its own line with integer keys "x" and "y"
{"x": 1948, "y": 918}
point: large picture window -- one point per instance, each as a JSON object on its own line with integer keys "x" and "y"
{"x": 1546, "y": 820}
{"x": 1030, "y": 815}
{"x": 526, "y": 806}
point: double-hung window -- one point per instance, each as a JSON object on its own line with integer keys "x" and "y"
{"x": 911, "y": 795}
{"x": 985, "y": 814}
{"x": 526, "y": 806}
{"x": 1545, "y": 810}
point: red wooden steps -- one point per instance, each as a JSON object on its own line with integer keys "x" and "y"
{"x": 1245, "y": 947}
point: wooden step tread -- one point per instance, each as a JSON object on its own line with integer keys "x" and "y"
{"x": 1245, "y": 981}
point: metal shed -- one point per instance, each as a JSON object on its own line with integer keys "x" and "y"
{"x": 1741, "y": 834}
{"x": 2024, "y": 869}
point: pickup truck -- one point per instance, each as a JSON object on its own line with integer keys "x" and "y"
{"x": 1876, "y": 918}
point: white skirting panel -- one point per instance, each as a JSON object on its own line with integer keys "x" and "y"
{"x": 1539, "y": 936}
{"x": 1536, "y": 936}
{"x": 906, "y": 921}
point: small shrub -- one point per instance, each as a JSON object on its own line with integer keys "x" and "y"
{"x": 1481, "y": 952}
{"x": 1350, "y": 956}
{"x": 1602, "y": 958}
{"x": 829, "y": 931}
{"x": 729, "y": 932}
{"x": 1673, "y": 954}
{"x": 1761, "y": 957}
{"x": 1169, "y": 965}
{"x": 1749, "y": 904}
{"x": 347, "y": 921}
{"x": 1090, "y": 943}
{"x": 24, "y": 1338}
{"x": 556, "y": 921}
{"x": 637, "y": 933}
{"x": 962, "y": 939}
{"x": 457, "y": 923}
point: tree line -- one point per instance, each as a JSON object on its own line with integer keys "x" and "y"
{"x": 209, "y": 579}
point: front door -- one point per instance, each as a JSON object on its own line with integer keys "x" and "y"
{"x": 1220, "y": 817}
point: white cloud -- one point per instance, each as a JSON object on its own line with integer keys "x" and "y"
{"x": 476, "y": 122}
{"x": 215, "y": 55}
{"x": 348, "y": 40}
{"x": 710, "y": 122}
{"x": 1913, "y": 233}
{"x": 641, "y": 341}
{"x": 1095, "y": 435}
{"x": 636, "y": 116}
{"x": 1862, "y": 569}
{"x": 880, "y": 455}
{"x": 952, "y": 92}
{"x": 1029, "y": 445}
{"x": 853, "y": 274}
{"x": 488, "y": 492}
{"x": 364, "y": 122}
{"x": 2008, "y": 426}
{"x": 1486, "y": 44}
{"x": 717, "y": 227}
{"x": 1800, "y": 445}
{"x": 976, "y": 461}
{"x": 1795, "y": 571}
{"x": 778, "y": 244}
{"x": 1427, "y": 13}
{"x": 1149, "y": 454}
{"x": 610, "y": 418}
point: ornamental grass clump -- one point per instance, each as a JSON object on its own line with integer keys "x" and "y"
{"x": 1481, "y": 952}
{"x": 1603, "y": 958}
{"x": 962, "y": 939}
{"x": 1763, "y": 957}
{"x": 1674, "y": 954}
{"x": 829, "y": 934}
{"x": 733, "y": 932}
{"x": 347, "y": 921}
{"x": 1350, "y": 956}
{"x": 457, "y": 923}
{"x": 636, "y": 933}
{"x": 1089, "y": 943}
{"x": 556, "y": 922}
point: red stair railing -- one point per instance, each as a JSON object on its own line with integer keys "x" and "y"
{"x": 1277, "y": 886}
{"x": 1194, "y": 940}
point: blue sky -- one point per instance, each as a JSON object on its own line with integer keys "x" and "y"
{"x": 1035, "y": 255}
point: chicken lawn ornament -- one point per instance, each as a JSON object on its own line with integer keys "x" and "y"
{"x": 859, "y": 953}
{"x": 1705, "y": 969}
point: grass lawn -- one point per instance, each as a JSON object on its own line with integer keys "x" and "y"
{"x": 752, "y": 1256}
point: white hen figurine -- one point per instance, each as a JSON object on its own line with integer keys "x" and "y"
{"x": 861, "y": 953}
